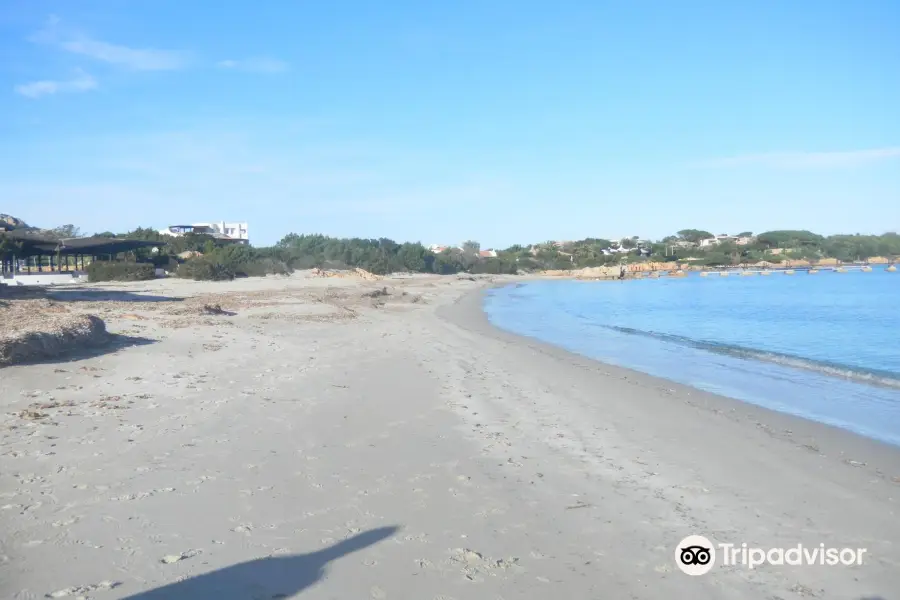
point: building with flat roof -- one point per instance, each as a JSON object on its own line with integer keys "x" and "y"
{"x": 221, "y": 230}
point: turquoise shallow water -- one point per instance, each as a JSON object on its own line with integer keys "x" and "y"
{"x": 823, "y": 346}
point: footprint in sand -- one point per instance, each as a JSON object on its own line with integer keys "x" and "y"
{"x": 83, "y": 590}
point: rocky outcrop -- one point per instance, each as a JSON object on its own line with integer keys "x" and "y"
{"x": 10, "y": 222}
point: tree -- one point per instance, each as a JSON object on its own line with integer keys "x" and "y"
{"x": 471, "y": 248}
{"x": 146, "y": 233}
{"x": 447, "y": 262}
{"x": 9, "y": 248}
{"x": 788, "y": 238}
{"x": 64, "y": 231}
{"x": 377, "y": 256}
{"x": 694, "y": 235}
{"x": 414, "y": 258}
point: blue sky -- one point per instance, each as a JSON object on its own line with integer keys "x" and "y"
{"x": 495, "y": 120}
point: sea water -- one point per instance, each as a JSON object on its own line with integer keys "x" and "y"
{"x": 823, "y": 346}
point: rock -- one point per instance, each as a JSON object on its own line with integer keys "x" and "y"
{"x": 174, "y": 558}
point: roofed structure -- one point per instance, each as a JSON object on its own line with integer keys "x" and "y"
{"x": 32, "y": 247}
{"x": 33, "y": 244}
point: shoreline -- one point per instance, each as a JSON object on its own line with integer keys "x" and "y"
{"x": 381, "y": 439}
{"x": 468, "y": 312}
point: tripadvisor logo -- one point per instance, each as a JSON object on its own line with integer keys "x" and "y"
{"x": 696, "y": 555}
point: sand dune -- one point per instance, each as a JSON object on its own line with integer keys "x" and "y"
{"x": 340, "y": 438}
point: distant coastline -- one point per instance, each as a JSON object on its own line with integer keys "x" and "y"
{"x": 216, "y": 256}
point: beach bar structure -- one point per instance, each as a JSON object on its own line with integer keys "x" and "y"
{"x": 54, "y": 259}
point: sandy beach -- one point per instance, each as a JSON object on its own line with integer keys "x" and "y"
{"x": 330, "y": 438}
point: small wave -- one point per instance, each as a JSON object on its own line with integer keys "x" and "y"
{"x": 832, "y": 369}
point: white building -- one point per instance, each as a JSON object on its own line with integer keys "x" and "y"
{"x": 715, "y": 241}
{"x": 223, "y": 230}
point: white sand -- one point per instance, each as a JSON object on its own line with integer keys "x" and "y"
{"x": 315, "y": 445}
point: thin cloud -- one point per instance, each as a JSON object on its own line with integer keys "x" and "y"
{"x": 805, "y": 160}
{"x": 81, "y": 82}
{"x": 255, "y": 65}
{"x": 136, "y": 59}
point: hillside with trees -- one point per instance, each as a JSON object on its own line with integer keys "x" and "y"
{"x": 204, "y": 257}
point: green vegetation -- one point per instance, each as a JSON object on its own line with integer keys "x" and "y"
{"x": 203, "y": 257}
{"x": 382, "y": 256}
{"x": 8, "y": 248}
{"x": 204, "y": 269}
{"x": 694, "y": 235}
{"x": 105, "y": 270}
{"x": 227, "y": 262}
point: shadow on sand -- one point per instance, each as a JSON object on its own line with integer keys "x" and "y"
{"x": 265, "y": 578}
{"x": 96, "y": 295}
{"x": 79, "y": 294}
{"x": 112, "y": 342}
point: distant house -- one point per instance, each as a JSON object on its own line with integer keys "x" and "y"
{"x": 488, "y": 254}
{"x": 438, "y": 248}
{"x": 715, "y": 241}
{"x": 221, "y": 230}
{"x": 617, "y": 248}
{"x": 745, "y": 240}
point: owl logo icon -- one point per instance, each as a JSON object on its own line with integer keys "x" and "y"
{"x": 695, "y": 555}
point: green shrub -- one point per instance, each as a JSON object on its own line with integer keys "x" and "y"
{"x": 262, "y": 267}
{"x": 104, "y": 270}
{"x": 495, "y": 266}
{"x": 233, "y": 256}
{"x": 204, "y": 269}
